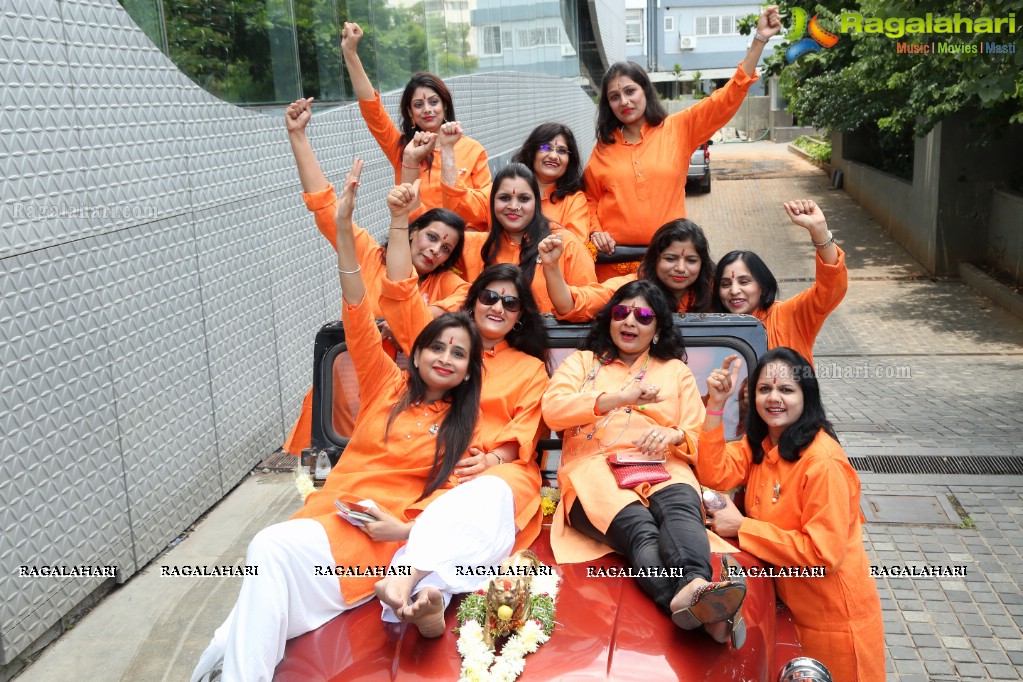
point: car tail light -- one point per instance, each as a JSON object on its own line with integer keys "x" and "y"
{"x": 706, "y": 153}
{"x": 804, "y": 669}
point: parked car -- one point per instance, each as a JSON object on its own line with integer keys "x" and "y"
{"x": 606, "y": 627}
{"x": 698, "y": 174}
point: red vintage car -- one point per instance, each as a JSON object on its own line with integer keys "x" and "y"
{"x": 606, "y": 628}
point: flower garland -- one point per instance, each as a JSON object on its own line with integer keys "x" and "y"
{"x": 549, "y": 498}
{"x": 479, "y": 662}
{"x": 304, "y": 482}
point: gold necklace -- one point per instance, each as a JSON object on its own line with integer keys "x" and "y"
{"x": 591, "y": 378}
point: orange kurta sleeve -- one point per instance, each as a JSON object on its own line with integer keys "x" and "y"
{"x": 518, "y": 386}
{"x": 444, "y": 289}
{"x": 404, "y": 309}
{"x": 323, "y": 205}
{"x": 472, "y": 203}
{"x": 572, "y": 212}
{"x": 374, "y": 368}
{"x": 827, "y": 503}
{"x": 382, "y": 128}
{"x": 470, "y": 265}
{"x": 633, "y": 189}
{"x": 576, "y": 263}
{"x": 721, "y": 465}
{"x": 590, "y": 298}
{"x": 797, "y": 321}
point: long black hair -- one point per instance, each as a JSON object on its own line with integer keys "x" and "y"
{"x": 535, "y": 231}
{"x": 572, "y": 181}
{"x": 681, "y": 230}
{"x": 456, "y": 430}
{"x": 669, "y": 344}
{"x": 760, "y": 273}
{"x": 439, "y": 215}
{"x": 531, "y": 335}
{"x": 422, "y": 79}
{"x": 798, "y": 436}
{"x": 607, "y": 122}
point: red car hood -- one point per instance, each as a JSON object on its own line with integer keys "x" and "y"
{"x": 606, "y": 629}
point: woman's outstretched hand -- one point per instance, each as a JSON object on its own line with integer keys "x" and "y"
{"x": 769, "y": 23}
{"x": 725, "y": 522}
{"x": 403, "y": 199}
{"x": 346, "y": 202}
{"x": 298, "y": 114}
{"x": 722, "y": 381}
{"x": 350, "y": 36}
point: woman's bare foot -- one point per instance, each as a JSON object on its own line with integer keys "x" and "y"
{"x": 426, "y": 612}
{"x": 395, "y": 591}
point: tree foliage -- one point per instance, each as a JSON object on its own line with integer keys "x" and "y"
{"x": 862, "y": 82}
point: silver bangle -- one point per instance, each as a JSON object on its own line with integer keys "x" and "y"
{"x": 757, "y": 36}
{"x": 825, "y": 244}
{"x": 356, "y": 271}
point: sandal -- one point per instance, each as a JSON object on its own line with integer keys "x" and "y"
{"x": 711, "y": 603}
{"x": 730, "y": 568}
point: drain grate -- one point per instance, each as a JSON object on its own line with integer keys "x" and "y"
{"x": 975, "y": 465}
{"x": 279, "y": 461}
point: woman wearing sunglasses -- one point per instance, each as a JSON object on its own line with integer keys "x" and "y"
{"x": 514, "y": 362}
{"x": 435, "y": 239}
{"x": 516, "y": 230}
{"x": 412, "y": 430}
{"x": 426, "y": 104}
{"x": 553, "y": 155}
{"x": 628, "y": 393}
{"x": 745, "y": 285}
{"x": 802, "y": 509}
{"x": 677, "y": 261}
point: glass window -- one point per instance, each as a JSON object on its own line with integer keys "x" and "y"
{"x": 491, "y": 42}
{"x": 701, "y": 26}
{"x": 669, "y": 24}
{"x": 553, "y": 35}
{"x": 633, "y": 27}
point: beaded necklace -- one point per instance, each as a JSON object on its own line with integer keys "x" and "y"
{"x": 591, "y": 378}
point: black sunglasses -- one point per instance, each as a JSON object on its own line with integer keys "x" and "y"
{"x": 489, "y": 297}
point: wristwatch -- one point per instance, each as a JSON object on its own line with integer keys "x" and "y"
{"x": 757, "y": 36}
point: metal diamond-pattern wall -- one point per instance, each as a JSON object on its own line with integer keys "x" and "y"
{"x": 160, "y": 286}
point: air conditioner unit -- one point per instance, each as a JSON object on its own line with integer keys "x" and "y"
{"x": 567, "y": 50}
{"x": 687, "y": 42}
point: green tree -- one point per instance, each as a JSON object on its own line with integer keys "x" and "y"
{"x": 863, "y": 84}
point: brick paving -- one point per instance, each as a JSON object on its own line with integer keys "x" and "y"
{"x": 937, "y": 370}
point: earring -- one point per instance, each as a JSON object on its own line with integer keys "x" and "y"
{"x": 657, "y": 337}
{"x": 517, "y": 326}
{"x": 415, "y": 363}
{"x": 467, "y": 377}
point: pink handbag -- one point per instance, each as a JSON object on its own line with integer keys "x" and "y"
{"x": 633, "y": 474}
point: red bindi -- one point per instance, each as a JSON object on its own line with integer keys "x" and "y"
{"x": 733, "y": 274}
{"x": 451, "y": 342}
{"x": 776, "y": 381}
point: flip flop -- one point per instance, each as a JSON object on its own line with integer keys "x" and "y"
{"x": 712, "y": 603}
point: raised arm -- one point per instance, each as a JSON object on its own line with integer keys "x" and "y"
{"x": 353, "y": 289}
{"x": 417, "y": 153}
{"x": 721, "y": 465}
{"x": 401, "y": 200}
{"x": 350, "y": 36}
{"x": 296, "y": 118}
{"x": 768, "y": 25}
{"x": 550, "y": 250}
{"x": 808, "y": 215}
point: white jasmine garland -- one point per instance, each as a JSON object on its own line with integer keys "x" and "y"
{"x": 303, "y": 482}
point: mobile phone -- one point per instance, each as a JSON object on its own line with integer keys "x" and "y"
{"x": 355, "y": 511}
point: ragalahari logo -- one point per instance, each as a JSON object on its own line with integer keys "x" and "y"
{"x": 818, "y": 36}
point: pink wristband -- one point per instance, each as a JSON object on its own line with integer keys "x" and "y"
{"x": 716, "y": 413}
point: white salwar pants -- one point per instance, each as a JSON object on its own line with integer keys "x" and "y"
{"x": 471, "y": 525}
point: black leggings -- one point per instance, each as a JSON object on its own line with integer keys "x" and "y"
{"x": 668, "y": 534}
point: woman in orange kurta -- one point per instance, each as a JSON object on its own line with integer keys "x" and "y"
{"x": 629, "y": 391}
{"x": 517, "y": 229}
{"x": 553, "y": 155}
{"x": 411, "y": 433}
{"x": 745, "y": 285}
{"x": 514, "y": 367}
{"x": 677, "y": 260}
{"x": 635, "y": 178}
{"x": 425, "y": 104}
{"x": 802, "y": 510}
{"x": 436, "y": 240}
